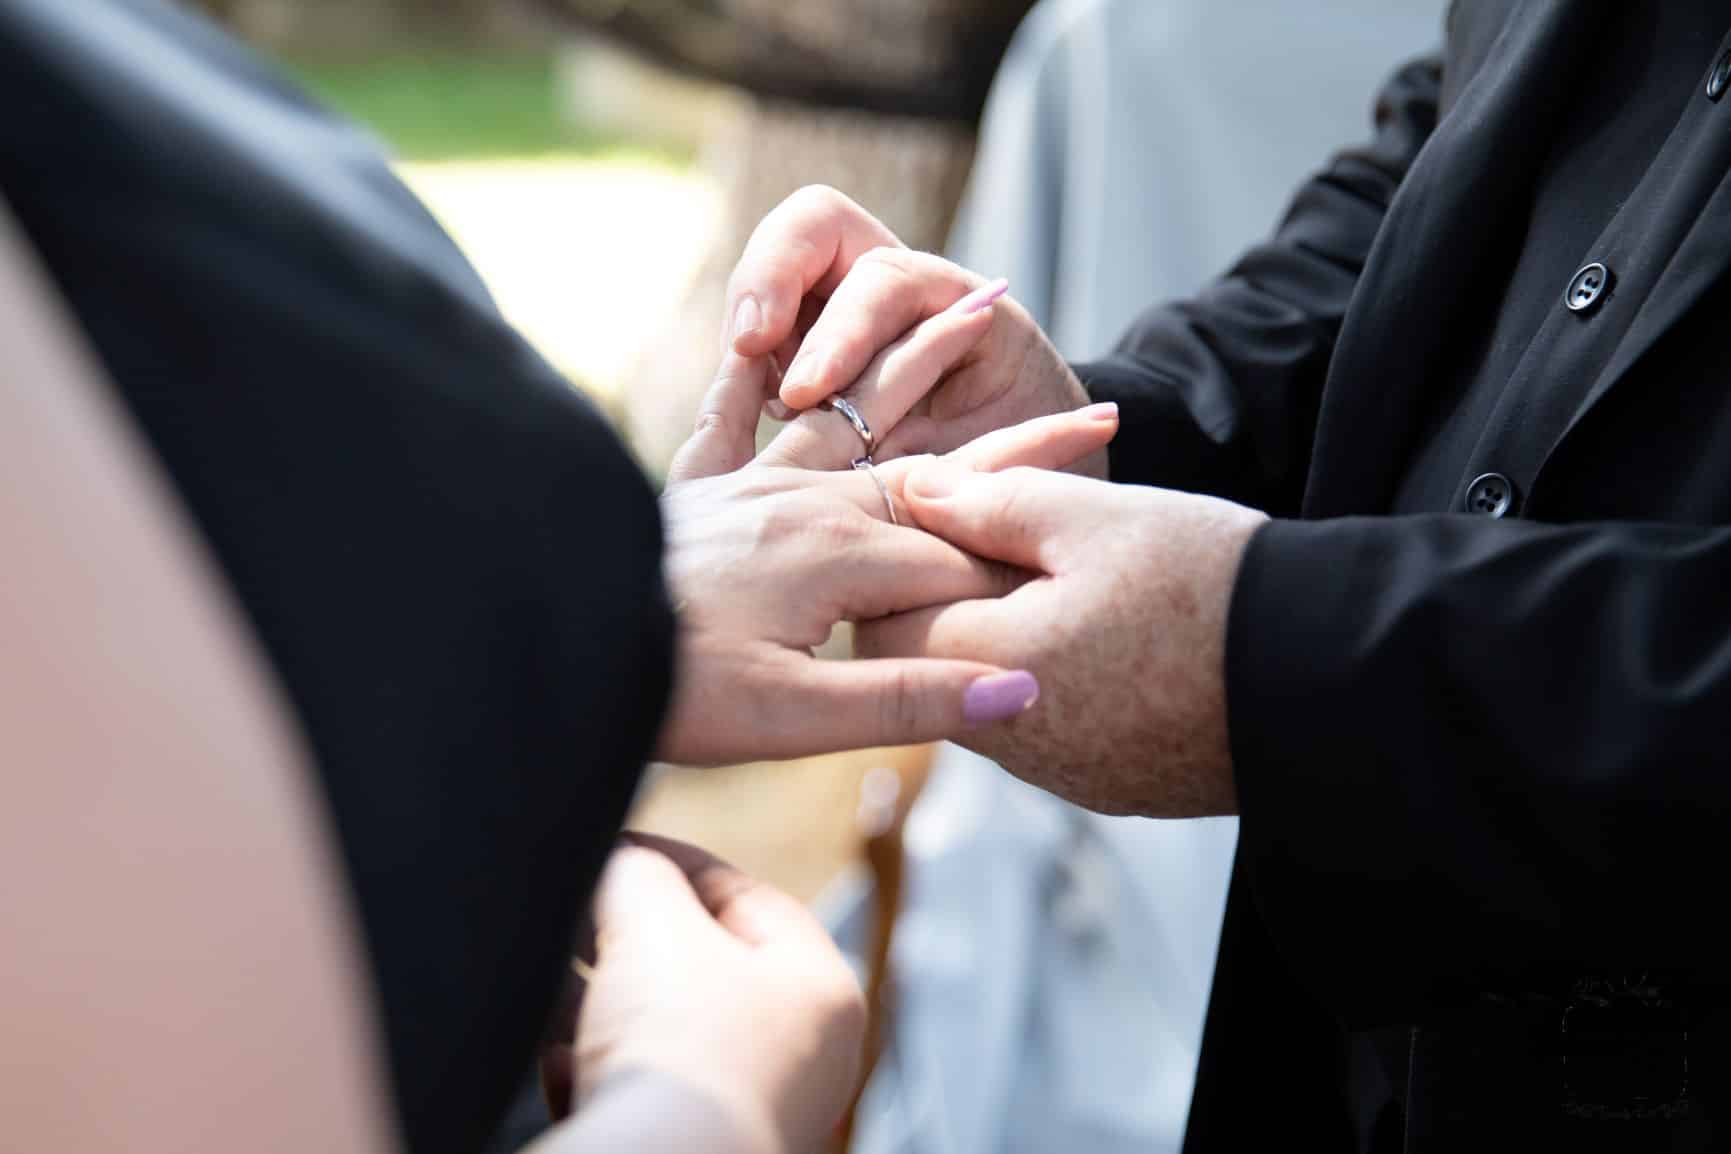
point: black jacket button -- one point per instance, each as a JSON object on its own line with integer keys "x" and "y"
{"x": 1586, "y": 287}
{"x": 1721, "y": 77}
{"x": 1491, "y": 495}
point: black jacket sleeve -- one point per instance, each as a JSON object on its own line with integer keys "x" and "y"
{"x": 1450, "y": 732}
{"x": 1219, "y": 394}
{"x": 451, "y": 562}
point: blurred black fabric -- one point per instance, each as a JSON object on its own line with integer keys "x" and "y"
{"x": 1481, "y": 745}
{"x": 449, "y": 558}
{"x": 757, "y": 48}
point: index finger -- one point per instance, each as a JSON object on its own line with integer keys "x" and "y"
{"x": 806, "y": 244}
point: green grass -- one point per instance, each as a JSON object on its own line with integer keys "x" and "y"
{"x": 439, "y": 106}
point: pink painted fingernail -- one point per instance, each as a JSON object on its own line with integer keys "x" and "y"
{"x": 982, "y": 299}
{"x": 999, "y": 697}
{"x": 1105, "y": 411}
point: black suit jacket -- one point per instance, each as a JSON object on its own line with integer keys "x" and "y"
{"x": 450, "y": 560}
{"x": 1484, "y": 763}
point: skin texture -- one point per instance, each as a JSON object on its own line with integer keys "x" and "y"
{"x": 1124, "y": 623}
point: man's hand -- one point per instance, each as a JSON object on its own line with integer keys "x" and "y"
{"x": 1124, "y": 624}
{"x": 827, "y": 289}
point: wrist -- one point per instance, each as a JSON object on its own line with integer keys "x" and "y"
{"x": 1235, "y": 539}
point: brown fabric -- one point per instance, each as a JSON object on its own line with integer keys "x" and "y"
{"x": 901, "y": 57}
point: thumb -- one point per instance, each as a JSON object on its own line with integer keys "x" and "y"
{"x": 1026, "y": 517}
{"x": 645, "y": 897}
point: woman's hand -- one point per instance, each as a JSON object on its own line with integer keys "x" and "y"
{"x": 832, "y": 293}
{"x": 717, "y": 997}
{"x": 765, "y": 559}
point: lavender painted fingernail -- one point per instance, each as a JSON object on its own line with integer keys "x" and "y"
{"x": 983, "y": 298}
{"x": 999, "y": 697}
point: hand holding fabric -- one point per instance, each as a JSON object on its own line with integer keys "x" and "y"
{"x": 719, "y": 1015}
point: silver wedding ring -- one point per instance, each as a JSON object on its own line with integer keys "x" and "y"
{"x": 865, "y": 463}
{"x": 846, "y": 408}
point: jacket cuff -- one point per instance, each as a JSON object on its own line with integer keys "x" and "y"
{"x": 1105, "y": 381}
{"x": 1327, "y": 841}
{"x": 1160, "y": 441}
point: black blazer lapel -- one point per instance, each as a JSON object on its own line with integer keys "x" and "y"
{"x": 1440, "y": 241}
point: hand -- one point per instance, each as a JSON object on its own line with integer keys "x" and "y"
{"x": 728, "y": 988}
{"x": 1124, "y": 624}
{"x": 766, "y": 559}
{"x": 829, "y": 291}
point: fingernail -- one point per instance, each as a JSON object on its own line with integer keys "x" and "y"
{"x": 1105, "y": 411}
{"x": 936, "y": 481}
{"x": 777, "y": 411}
{"x": 999, "y": 697}
{"x": 796, "y": 370}
{"x": 982, "y": 299}
{"x": 747, "y": 317}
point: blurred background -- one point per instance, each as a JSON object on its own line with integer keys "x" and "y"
{"x": 1038, "y": 974}
{"x": 602, "y": 163}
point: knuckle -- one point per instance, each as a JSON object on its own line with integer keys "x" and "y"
{"x": 778, "y": 518}
{"x": 1010, "y": 505}
{"x": 819, "y": 198}
{"x": 801, "y": 444}
{"x": 1021, "y": 484}
{"x": 887, "y": 262}
{"x": 901, "y": 706}
{"x": 798, "y": 515}
{"x": 836, "y": 529}
{"x": 709, "y": 423}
